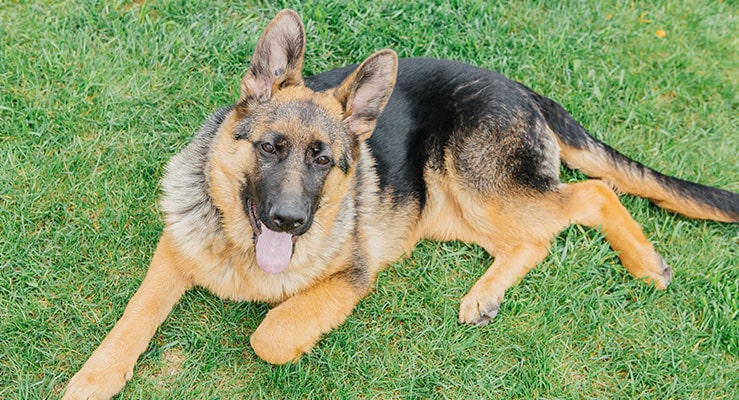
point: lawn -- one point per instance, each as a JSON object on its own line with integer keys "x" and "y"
{"x": 94, "y": 99}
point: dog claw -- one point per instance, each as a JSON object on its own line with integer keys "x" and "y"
{"x": 665, "y": 275}
{"x": 477, "y": 312}
{"x": 666, "y": 272}
{"x": 487, "y": 315}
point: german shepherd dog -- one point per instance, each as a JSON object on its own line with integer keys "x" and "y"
{"x": 303, "y": 190}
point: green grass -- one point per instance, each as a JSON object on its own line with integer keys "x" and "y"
{"x": 95, "y": 98}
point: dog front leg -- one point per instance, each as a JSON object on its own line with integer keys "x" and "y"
{"x": 293, "y": 327}
{"x": 111, "y": 365}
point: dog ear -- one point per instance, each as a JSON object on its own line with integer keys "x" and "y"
{"x": 278, "y": 58}
{"x": 365, "y": 92}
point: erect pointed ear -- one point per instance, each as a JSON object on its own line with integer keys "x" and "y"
{"x": 278, "y": 58}
{"x": 365, "y": 92}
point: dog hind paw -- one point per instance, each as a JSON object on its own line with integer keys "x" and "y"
{"x": 665, "y": 275}
{"x": 658, "y": 274}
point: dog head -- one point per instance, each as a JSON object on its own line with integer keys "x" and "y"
{"x": 286, "y": 151}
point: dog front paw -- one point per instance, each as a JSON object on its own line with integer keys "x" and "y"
{"x": 277, "y": 344}
{"x": 478, "y": 310}
{"x": 96, "y": 382}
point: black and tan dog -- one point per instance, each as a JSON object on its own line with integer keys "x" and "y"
{"x": 302, "y": 191}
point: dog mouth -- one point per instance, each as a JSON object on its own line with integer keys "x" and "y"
{"x": 273, "y": 249}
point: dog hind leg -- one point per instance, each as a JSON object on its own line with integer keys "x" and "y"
{"x": 591, "y": 203}
{"x": 480, "y": 305}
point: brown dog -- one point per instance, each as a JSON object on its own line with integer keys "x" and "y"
{"x": 302, "y": 191}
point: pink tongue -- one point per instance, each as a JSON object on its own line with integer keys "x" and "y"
{"x": 274, "y": 250}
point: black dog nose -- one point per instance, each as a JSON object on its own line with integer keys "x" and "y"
{"x": 288, "y": 218}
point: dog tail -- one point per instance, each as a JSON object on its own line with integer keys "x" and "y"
{"x": 580, "y": 150}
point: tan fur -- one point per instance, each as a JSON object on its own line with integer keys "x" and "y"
{"x": 208, "y": 239}
{"x": 293, "y": 327}
{"x": 454, "y": 212}
{"x": 357, "y": 228}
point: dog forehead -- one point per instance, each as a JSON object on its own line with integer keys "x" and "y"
{"x": 309, "y": 117}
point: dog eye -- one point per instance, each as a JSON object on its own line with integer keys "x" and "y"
{"x": 323, "y": 160}
{"x": 268, "y": 148}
